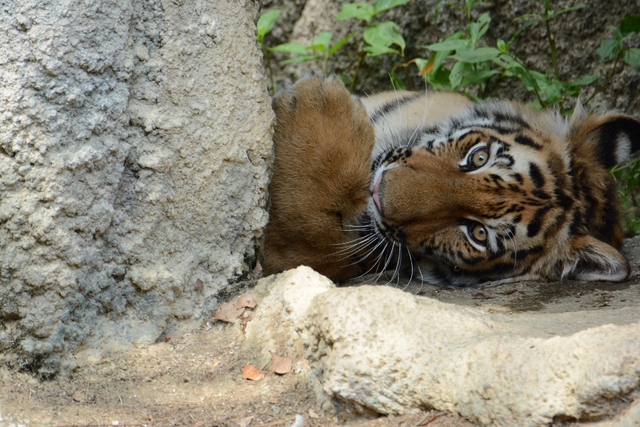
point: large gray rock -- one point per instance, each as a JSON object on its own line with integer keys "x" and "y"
{"x": 378, "y": 349}
{"x": 134, "y": 147}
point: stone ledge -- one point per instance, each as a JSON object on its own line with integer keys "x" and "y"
{"x": 376, "y": 348}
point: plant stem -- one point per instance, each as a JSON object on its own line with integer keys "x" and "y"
{"x": 552, "y": 46}
{"x": 267, "y": 55}
{"x": 362, "y": 54}
{"x": 609, "y": 78}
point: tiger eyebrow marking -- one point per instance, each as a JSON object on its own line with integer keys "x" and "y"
{"x": 525, "y": 140}
{"x": 392, "y": 105}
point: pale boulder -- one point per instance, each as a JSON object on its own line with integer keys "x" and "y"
{"x": 376, "y": 348}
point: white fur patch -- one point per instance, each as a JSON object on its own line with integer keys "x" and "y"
{"x": 623, "y": 148}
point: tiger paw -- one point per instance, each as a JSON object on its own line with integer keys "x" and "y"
{"x": 323, "y": 141}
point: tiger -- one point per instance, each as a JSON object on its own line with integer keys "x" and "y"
{"x": 465, "y": 193}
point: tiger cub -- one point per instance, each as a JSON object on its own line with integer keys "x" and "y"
{"x": 463, "y": 193}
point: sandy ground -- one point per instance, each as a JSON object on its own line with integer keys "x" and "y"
{"x": 196, "y": 379}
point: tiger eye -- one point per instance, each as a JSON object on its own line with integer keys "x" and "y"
{"x": 479, "y": 157}
{"x": 479, "y": 233}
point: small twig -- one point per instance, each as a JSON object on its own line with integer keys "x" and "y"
{"x": 430, "y": 420}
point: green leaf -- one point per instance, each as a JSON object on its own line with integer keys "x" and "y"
{"x": 322, "y": 41}
{"x": 528, "y": 16}
{"x": 481, "y": 54}
{"x": 382, "y": 5}
{"x": 341, "y": 43}
{"x": 502, "y": 46}
{"x": 291, "y": 47}
{"x": 585, "y": 80}
{"x": 554, "y": 13}
{"x": 478, "y": 28}
{"x": 508, "y": 62}
{"x": 421, "y": 63}
{"x": 478, "y": 77}
{"x": 396, "y": 82}
{"x": 632, "y": 57}
{"x": 439, "y": 58}
{"x": 608, "y": 49}
{"x": 439, "y": 6}
{"x": 449, "y": 45}
{"x": 380, "y": 37}
{"x": 439, "y": 79}
{"x": 303, "y": 58}
{"x": 630, "y": 24}
{"x": 457, "y": 73}
{"x": 526, "y": 78}
{"x": 266, "y": 23}
{"x": 377, "y": 50}
{"x": 515, "y": 36}
{"x": 356, "y": 10}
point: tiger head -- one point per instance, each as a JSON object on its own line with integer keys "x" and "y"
{"x": 497, "y": 190}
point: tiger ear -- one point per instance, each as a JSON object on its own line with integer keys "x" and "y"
{"x": 592, "y": 260}
{"x": 614, "y": 138}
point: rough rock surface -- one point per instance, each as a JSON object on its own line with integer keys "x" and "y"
{"x": 134, "y": 146}
{"x": 577, "y": 36}
{"x": 376, "y": 348}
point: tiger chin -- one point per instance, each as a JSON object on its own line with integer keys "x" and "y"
{"x": 455, "y": 192}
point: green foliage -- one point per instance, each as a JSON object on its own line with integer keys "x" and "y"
{"x": 265, "y": 24}
{"x": 628, "y": 177}
{"x": 378, "y": 38}
{"x": 614, "y": 48}
{"x": 461, "y": 61}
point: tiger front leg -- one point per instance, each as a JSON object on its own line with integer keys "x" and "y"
{"x": 323, "y": 142}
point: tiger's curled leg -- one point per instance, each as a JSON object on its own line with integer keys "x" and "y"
{"x": 323, "y": 142}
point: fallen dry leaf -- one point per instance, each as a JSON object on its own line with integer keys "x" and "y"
{"x": 228, "y": 312}
{"x": 279, "y": 364}
{"x": 245, "y": 300}
{"x": 244, "y": 321}
{"x": 252, "y": 373}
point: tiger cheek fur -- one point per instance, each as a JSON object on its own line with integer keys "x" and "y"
{"x": 467, "y": 193}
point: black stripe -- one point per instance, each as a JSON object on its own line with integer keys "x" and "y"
{"x": 525, "y": 140}
{"x": 511, "y": 119}
{"x": 564, "y": 200}
{"x": 609, "y": 134}
{"x": 504, "y": 268}
{"x": 536, "y": 223}
{"x": 536, "y": 175}
{"x": 520, "y": 255}
{"x": 393, "y": 104}
{"x": 540, "y": 194}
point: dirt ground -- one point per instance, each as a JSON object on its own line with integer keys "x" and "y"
{"x": 194, "y": 380}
